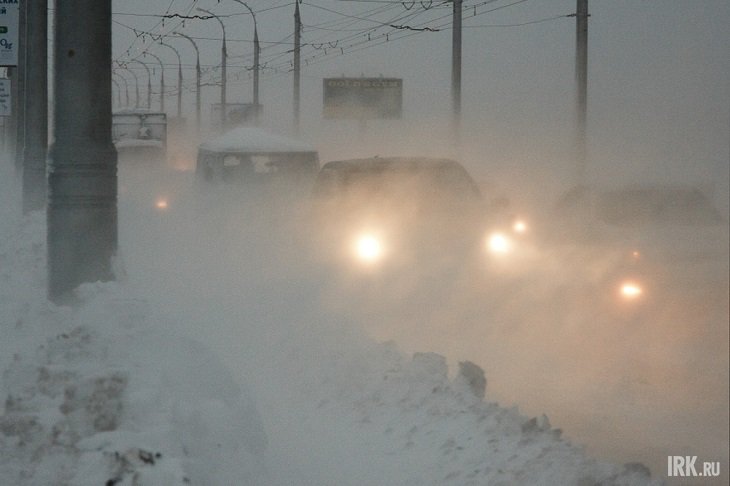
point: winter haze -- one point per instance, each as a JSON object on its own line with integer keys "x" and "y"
{"x": 248, "y": 362}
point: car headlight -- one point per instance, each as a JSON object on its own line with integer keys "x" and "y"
{"x": 499, "y": 244}
{"x": 519, "y": 226}
{"x": 161, "y": 204}
{"x": 631, "y": 290}
{"x": 368, "y": 248}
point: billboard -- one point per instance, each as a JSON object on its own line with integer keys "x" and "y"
{"x": 363, "y": 98}
{"x": 9, "y": 27}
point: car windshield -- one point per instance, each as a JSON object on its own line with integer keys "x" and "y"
{"x": 421, "y": 184}
{"x": 672, "y": 205}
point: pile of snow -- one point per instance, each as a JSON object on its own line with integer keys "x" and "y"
{"x": 110, "y": 392}
{"x": 102, "y": 393}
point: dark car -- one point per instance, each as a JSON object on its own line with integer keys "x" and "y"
{"x": 404, "y": 213}
{"x": 636, "y": 239}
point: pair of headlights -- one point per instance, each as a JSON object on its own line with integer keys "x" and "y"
{"x": 369, "y": 247}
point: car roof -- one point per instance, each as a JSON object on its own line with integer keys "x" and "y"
{"x": 391, "y": 163}
{"x": 255, "y": 141}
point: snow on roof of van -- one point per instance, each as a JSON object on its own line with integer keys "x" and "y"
{"x": 255, "y": 140}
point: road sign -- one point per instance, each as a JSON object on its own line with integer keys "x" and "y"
{"x": 363, "y": 98}
{"x": 9, "y": 28}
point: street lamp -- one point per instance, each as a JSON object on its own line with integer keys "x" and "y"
{"x": 162, "y": 81}
{"x": 126, "y": 88}
{"x": 197, "y": 79}
{"x": 179, "y": 78}
{"x": 149, "y": 81}
{"x": 256, "y": 51}
{"x": 119, "y": 92}
{"x": 223, "y": 68}
{"x": 136, "y": 83}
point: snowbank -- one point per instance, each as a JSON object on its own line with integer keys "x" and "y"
{"x": 105, "y": 394}
{"x": 111, "y": 392}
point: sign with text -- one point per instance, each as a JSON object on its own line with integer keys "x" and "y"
{"x": 363, "y": 98}
{"x": 5, "y": 97}
{"x": 9, "y": 27}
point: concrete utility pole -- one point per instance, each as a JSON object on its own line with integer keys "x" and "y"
{"x": 224, "y": 73}
{"x": 581, "y": 80}
{"x": 21, "y": 90}
{"x": 11, "y": 123}
{"x": 82, "y": 210}
{"x": 297, "y": 62}
{"x": 456, "y": 70}
{"x": 197, "y": 80}
{"x": 36, "y": 106}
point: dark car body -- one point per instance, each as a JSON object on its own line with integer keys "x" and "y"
{"x": 410, "y": 212}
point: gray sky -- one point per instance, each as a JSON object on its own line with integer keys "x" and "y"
{"x": 659, "y": 96}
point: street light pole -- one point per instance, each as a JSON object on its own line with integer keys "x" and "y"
{"x": 136, "y": 83}
{"x": 179, "y": 79}
{"x": 224, "y": 73}
{"x": 126, "y": 89}
{"x": 149, "y": 81}
{"x": 197, "y": 79}
{"x": 162, "y": 82}
{"x": 256, "y": 52}
{"x": 119, "y": 92}
{"x": 297, "y": 65}
{"x": 581, "y": 79}
{"x": 456, "y": 70}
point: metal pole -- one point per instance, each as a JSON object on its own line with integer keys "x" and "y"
{"x": 179, "y": 79}
{"x": 82, "y": 203}
{"x": 581, "y": 79}
{"x": 456, "y": 70}
{"x": 162, "y": 81}
{"x": 136, "y": 84}
{"x": 119, "y": 92}
{"x": 224, "y": 74}
{"x": 36, "y": 106}
{"x": 197, "y": 80}
{"x": 256, "y": 52}
{"x": 149, "y": 81}
{"x": 297, "y": 70}
{"x": 126, "y": 89}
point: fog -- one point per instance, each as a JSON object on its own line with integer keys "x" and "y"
{"x": 632, "y": 384}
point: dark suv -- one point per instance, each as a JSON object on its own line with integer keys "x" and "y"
{"x": 396, "y": 213}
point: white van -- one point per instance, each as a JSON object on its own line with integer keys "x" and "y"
{"x": 248, "y": 156}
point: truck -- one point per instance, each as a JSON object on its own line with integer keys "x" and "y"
{"x": 140, "y": 135}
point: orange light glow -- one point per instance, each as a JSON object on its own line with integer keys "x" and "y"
{"x": 161, "y": 204}
{"x": 631, "y": 290}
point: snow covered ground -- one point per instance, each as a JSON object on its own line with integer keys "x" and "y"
{"x": 144, "y": 387}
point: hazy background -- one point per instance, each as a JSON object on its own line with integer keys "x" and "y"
{"x": 657, "y": 85}
{"x": 658, "y": 111}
